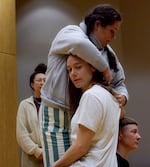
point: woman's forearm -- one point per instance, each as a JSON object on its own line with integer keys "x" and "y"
{"x": 74, "y": 153}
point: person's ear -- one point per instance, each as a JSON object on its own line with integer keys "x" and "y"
{"x": 120, "y": 136}
{"x": 31, "y": 85}
{"x": 96, "y": 25}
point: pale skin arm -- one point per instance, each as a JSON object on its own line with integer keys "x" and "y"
{"x": 121, "y": 99}
{"x": 78, "y": 149}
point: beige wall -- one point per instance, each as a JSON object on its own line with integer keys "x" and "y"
{"x": 136, "y": 53}
{"x": 8, "y": 87}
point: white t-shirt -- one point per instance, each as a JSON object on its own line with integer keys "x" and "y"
{"x": 99, "y": 111}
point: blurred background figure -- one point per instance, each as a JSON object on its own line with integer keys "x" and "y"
{"x": 27, "y": 125}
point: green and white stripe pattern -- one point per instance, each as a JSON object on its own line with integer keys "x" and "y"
{"x": 56, "y": 133}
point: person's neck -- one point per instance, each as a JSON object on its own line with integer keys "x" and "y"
{"x": 92, "y": 37}
{"x": 122, "y": 151}
{"x": 37, "y": 95}
{"x": 88, "y": 87}
{"x": 95, "y": 41}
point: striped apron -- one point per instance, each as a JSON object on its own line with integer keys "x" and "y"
{"x": 55, "y": 126}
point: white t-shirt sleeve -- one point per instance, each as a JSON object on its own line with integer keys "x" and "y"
{"x": 91, "y": 111}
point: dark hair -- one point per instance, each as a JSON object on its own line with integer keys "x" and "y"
{"x": 74, "y": 97}
{"x": 126, "y": 121}
{"x": 111, "y": 60}
{"x": 32, "y": 76}
{"x": 40, "y": 68}
{"x": 105, "y": 14}
{"x": 76, "y": 93}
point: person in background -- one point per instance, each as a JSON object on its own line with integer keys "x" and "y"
{"x": 90, "y": 41}
{"x": 27, "y": 122}
{"x": 128, "y": 140}
{"x": 95, "y": 122}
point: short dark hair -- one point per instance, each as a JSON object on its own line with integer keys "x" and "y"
{"x": 106, "y": 14}
{"x": 127, "y": 121}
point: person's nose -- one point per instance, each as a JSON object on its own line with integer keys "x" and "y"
{"x": 42, "y": 81}
{"x": 139, "y": 136}
{"x": 73, "y": 72}
{"x": 114, "y": 37}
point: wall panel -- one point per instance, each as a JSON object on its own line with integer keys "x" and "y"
{"x": 136, "y": 46}
{"x": 8, "y": 85}
{"x": 7, "y": 28}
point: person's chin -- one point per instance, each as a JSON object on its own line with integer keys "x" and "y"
{"x": 136, "y": 147}
{"x": 77, "y": 86}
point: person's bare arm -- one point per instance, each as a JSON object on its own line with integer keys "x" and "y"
{"x": 78, "y": 149}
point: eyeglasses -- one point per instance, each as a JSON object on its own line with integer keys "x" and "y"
{"x": 40, "y": 80}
